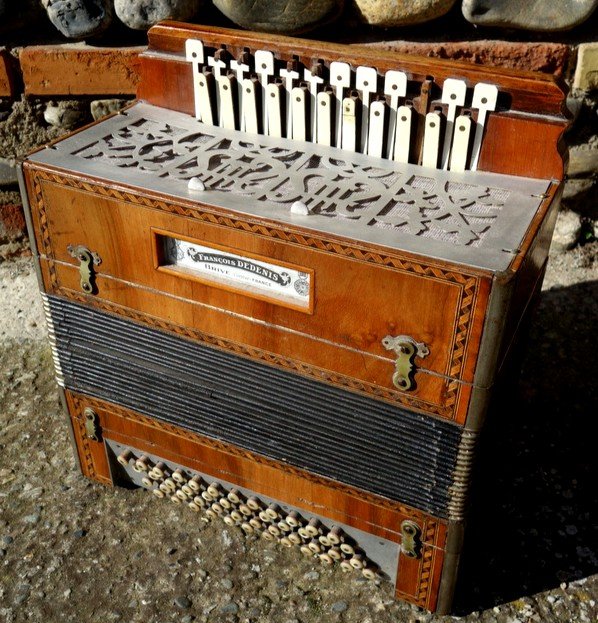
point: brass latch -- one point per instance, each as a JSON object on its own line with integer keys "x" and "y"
{"x": 410, "y": 539}
{"x": 406, "y": 349}
{"x": 92, "y": 428}
{"x": 87, "y": 260}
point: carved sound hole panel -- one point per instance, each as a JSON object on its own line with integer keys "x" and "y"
{"x": 332, "y": 185}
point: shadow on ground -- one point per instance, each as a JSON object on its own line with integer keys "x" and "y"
{"x": 533, "y": 525}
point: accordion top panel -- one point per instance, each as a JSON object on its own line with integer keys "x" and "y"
{"x": 473, "y": 218}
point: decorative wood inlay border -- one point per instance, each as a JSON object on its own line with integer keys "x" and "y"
{"x": 425, "y": 584}
{"x": 428, "y": 558}
{"x": 468, "y": 284}
{"x": 422, "y": 594}
{"x": 87, "y": 464}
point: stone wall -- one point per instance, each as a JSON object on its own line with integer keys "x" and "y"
{"x": 64, "y": 63}
{"x": 81, "y": 19}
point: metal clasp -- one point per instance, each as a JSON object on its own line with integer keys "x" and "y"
{"x": 406, "y": 349}
{"x": 410, "y": 539}
{"x": 92, "y": 429}
{"x": 87, "y": 260}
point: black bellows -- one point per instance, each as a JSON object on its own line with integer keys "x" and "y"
{"x": 344, "y": 436}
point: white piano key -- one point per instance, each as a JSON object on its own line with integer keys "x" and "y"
{"x": 205, "y": 84}
{"x": 290, "y": 75}
{"x": 314, "y": 78}
{"x": 250, "y": 111}
{"x": 485, "y": 97}
{"x": 431, "y": 140}
{"x": 376, "y": 132}
{"x": 226, "y": 112}
{"x": 194, "y": 51}
{"x": 453, "y": 95}
{"x": 299, "y": 101}
{"x": 195, "y": 55}
{"x": 218, "y": 66}
{"x": 324, "y": 112}
{"x": 274, "y": 105}
{"x": 366, "y": 81}
{"x": 402, "y": 144}
{"x": 395, "y": 86}
{"x": 340, "y": 79}
{"x": 350, "y": 125}
{"x": 264, "y": 68}
{"x": 460, "y": 143}
{"x": 241, "y": 67}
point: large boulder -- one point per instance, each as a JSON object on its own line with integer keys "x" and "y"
{"x": 541, "y": 15}
{"x": 142, "y": 14}
{"x": 388, "y": 13}
{"x": 79, "y": 19}
{"x": 281, "y": 16}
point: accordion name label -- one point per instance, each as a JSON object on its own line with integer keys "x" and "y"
{"x": 252, "y": 275}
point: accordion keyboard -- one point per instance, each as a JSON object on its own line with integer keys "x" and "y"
{"x": 354, "y": 108}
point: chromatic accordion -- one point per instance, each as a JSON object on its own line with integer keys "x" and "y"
{"x": 281, "y": 286}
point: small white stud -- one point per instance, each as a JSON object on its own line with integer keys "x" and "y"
{"x": 299, "y": 208}
{"x": 195, "y": 184}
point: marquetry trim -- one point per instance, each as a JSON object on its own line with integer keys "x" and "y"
{"x": 467, "y": 283}
{"x": 44, "y": 230}
{"x": 85, "y": 450}
{"x": 424, "y": 590}
{"x": 425, "y": 580}
{"x": 85, "y": 456}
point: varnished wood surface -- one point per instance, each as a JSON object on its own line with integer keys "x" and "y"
{"x": 522, "y": 140}
{"x": 523, "y": 146}
{"x": 358, "y": 298}
{"x": 418, "y": 579}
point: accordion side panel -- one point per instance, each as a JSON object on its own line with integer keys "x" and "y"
{"x": 530, "y": 273}
{"x": 436, "y": 306}
{"x": 90, "y": 452}
{"x": 417, "y": 578}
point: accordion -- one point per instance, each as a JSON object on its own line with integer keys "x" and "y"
{"x": 281, "y": 286}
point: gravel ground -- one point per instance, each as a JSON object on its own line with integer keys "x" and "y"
{"x": 72, "y": 550}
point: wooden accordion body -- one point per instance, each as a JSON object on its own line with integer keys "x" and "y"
{"x": 297, "y": 337}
